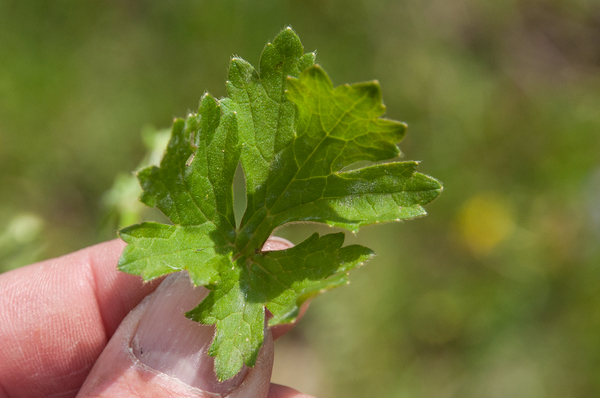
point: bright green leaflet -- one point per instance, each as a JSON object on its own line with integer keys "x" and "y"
{"x": 293, "y": 133}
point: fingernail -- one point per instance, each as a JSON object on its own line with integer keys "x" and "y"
{"x": 169, "y": 342}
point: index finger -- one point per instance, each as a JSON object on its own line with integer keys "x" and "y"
{"x": 57, "y": 317}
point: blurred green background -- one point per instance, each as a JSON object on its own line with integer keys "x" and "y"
{"x": 495, "y": 294}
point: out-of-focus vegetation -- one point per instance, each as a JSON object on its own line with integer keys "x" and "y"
{"x": 495, "y": 294}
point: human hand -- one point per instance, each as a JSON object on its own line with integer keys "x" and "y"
{"x": 67, "y": 331}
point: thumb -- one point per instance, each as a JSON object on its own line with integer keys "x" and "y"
{"x": 158, "y": 352}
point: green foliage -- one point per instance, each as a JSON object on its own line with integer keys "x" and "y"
{"x": 294, "y": 134}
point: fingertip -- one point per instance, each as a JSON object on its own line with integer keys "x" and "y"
{"x": 122, "y": 370}
{"x": 275, "y": 243}
{"x": 116, "y": 292}
{"x": 279, "y": 391}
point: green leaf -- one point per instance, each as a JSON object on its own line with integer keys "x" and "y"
{"x": 280, "y": 281}
{"x": 295, "y": 135}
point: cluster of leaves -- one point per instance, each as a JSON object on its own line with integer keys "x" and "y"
{"x": 293, "y": 133}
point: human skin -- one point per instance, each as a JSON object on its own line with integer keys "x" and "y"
{"x": 68, "y": 325}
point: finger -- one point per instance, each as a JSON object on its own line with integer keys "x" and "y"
{"x": 157, "y": 352}
{"x": 279, "y": 391}
{"x": 58, "y": 315}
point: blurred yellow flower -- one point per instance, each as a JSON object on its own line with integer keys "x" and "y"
{"x": 484, "y": 221}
